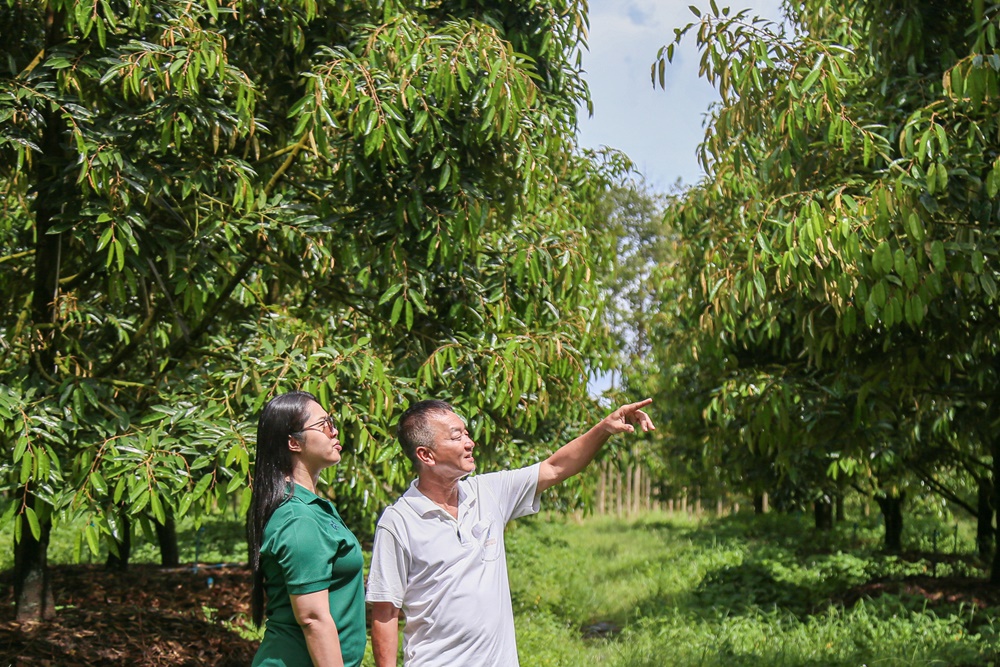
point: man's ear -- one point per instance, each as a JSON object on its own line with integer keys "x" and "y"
{"x": 293, "y": 444}
{"x": 425, "y": 455}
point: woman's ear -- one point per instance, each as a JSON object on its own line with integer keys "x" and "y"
{"x": 293, "y": 444}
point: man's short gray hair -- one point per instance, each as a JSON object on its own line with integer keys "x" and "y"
{"x": 413, "y": 429}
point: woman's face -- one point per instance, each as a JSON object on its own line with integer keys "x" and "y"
{"x": 318, "y": 446}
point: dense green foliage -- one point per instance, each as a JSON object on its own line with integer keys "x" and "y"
{"x": 207, "y": 203}
{"x": 830, "y": 317}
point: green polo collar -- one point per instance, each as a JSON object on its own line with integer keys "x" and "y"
{"x": 295, "y": 490}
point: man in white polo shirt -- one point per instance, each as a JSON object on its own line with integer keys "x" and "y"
{"x": 439, "y": 554}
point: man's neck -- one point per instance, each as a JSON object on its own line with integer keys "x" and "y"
{"x": 444, "y": 493}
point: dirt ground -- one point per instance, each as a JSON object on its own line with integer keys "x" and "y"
{"x": 144, "y": 617}
{"x": 942, "y": 590}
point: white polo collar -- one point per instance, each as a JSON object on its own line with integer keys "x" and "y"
{"x": 423, "y": 505}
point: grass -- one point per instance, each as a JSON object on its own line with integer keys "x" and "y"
{"x": 736, "y": 592}
{"x": 664, "y": 589}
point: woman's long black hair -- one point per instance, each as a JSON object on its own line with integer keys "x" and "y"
{"x": 284, "y": 415}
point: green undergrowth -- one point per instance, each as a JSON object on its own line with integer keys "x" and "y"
{"x": 658, "y": 590}
{"x": 207, "y": 538}
{"x": 742, "y": 591}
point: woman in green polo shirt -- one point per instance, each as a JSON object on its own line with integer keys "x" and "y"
{"x": 301, "y": 553}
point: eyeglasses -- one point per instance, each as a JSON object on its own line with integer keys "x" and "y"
{"x": 324, "y": 424}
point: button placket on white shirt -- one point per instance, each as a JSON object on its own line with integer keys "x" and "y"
{"x": 462, "y": 530}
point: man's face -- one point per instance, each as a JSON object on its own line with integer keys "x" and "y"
{"x": 453, "y": 447}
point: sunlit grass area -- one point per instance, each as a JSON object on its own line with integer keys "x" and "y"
{"x": 666, "y": 590}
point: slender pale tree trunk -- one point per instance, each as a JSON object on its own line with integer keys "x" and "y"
{"x": 628, "y": 490}
{"x": 637, "y": 490}
{"x": 602, "y": 491}
{"x": 618, "y": 493}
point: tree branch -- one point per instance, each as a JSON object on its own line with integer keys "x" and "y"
{"x": 944, "y": 492}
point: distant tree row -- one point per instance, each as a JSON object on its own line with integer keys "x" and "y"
{"x": 205, "y": 203}
{"x": 827, "y": 315}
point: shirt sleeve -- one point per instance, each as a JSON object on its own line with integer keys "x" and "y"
{"x": 514, "y": 491}
{"x": 389, "y": 568}
{"x": 306, "y": 566}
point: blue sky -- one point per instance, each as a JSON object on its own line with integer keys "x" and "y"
{"x": 658, "y": 129}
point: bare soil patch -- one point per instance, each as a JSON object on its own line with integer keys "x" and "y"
{"x": 936, "y": 590}
{"x": 146, "y": 616}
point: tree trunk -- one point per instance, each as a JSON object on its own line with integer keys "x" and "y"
{"x": 892, "y": 514}
{"x": 647, "y": 493}
{"x": 166, "y": 535}
{"x": 602, "y": 491}
{"x": 760, "y": 504}
{"x": 840, "y": 507}
{"x": 618, "y": 493}
{"x": 637, "y": 490}
{"x": 984, "y": 520}
{"x": 995, "y": 567}
{"x": 628, "y": 491}
{"x": 823, "y": 513}
{"x": 32, "y": 588}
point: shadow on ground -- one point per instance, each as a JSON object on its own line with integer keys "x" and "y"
{"x": 143, "y": 617}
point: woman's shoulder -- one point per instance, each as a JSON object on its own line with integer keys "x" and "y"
{"x": 289, "y": 509}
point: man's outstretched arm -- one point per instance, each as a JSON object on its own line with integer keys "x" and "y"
{"x": 574, "y": 456}
{"x": 385, "y": 633}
